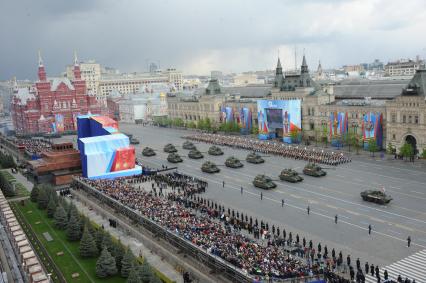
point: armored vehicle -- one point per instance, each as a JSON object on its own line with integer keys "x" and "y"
{"x": 233, "y": 162}
{"x": 147, "y": 151}
{"x": 134, "y": 141}
{"x": 209, "y": 167}
{"x": 376, "y": 196}
{"x": 195, "y": 154}
{"x": 169, "y": 148}
{"x": 174, "y": 158}
{"x": 254, "y": 158}
{"x": 290, "y": 175}
{"x": 314, "y": 170}
{"x": 215, "y": 150}
{"x": 264, "y": 182}
{"x": 188, "y": 145}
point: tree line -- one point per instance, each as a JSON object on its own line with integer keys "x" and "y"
{"x": 113, "y": 258}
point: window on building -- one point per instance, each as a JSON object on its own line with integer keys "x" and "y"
{"x": 416, "y": 119}
{"x": 404, "y": 119}
{"x": 409, "y": 119}
{"x": 309, "y": 111}
{"x": 393, "y": 136}
{"x": 393, "y": 118}
{"x": 313, "y": 112}
{"x": 312, "y": 126}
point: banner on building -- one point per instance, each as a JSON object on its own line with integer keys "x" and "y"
{"x": 338, "y": 127}
{"x": 58, "y": 124}
{"x": 372, "y": 128}
{"x": 279, "y": 117}
{"x": 245, "y": 120}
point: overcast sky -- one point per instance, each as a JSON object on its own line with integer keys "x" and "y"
{"x": 197, "y": 36}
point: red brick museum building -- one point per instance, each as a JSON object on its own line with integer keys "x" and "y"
{"x": 51, "y": 105}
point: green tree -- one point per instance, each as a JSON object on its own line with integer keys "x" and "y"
{"x": 73, "y": 231}
{"x": 134, "y": 275}
{"x": 87, "y": 245}
{"x": 325, "y": 134}
{"x": 99, "y": 236}
{"x": 372, "y": 146}
{"x": 60, "y": 218}
{"x": 105, "y": 265}
{"x": 406, "y": 150}
{"x": 255, "y": 130}
{"x": 107, "y": 242}
{"x": 42, "y": 199}
{"x": 424, "y": 153}
{"x": 390, "y": 149}
{"x": 356, "y": 142}
{"x": 34, "y": 193}
{"x": 51, "y": 208}
{"x": 127, "y": 263}
{"x": 145, "y": 272}
{"x": 294, "y": 135}
{"x": 118, "y": 253}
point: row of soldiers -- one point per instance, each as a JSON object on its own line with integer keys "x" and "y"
{"x": 272, "y": 147}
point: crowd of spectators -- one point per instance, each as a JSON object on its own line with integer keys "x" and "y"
{"x": 273, "y": 147}
{"x": 33, "y": 146}
{"x": 208, "y": 225}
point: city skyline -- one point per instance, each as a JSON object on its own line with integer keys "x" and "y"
{"x": 199, "y": 38}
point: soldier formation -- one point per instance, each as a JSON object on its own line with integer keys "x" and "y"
{"x": 272, "y": 147}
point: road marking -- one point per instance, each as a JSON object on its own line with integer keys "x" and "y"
{"x": 392, "y": 231}
{"x": 418, "y": 192}
{"x": 314, "y": 212}
{"x": 352, "y": 212}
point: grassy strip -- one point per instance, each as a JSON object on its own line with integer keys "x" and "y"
{"x": 42, "y": 253}
{"x": 70, "y": 262}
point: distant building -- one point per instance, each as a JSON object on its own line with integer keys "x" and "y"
{"x": 91, "y": 73}
{"x": 403, "y": 67}
{"x": 354, "y": 68}
{"x": 218, "y": 75}
{"x": 130, "y": 83}
{"x": 245, "y": 79}
{"x": 51, "y": 105}
{"x": 143, "y": 106}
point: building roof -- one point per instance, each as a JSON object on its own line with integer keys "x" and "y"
{"x": 57, "y": 81}
{"x": 24, "y": 94}
{"x": 365, "y": 88}
{"x": 417, "y": 85}
{"x": 249, "y": 91}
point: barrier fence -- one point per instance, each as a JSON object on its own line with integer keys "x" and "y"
{"x": 218, "y": 265}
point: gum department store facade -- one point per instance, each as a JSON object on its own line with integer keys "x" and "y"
{"x": 404, "y": 115}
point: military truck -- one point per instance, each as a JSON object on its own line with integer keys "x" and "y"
{"x": 195, "y": 154}
{"x": 215, "y": 150}
{"x": 264, "y": 182}
{"x": 174, "y": 158}
{"x": 311, "y": 169}
{"x": 209, "y": 167}
{"x": 233, "y": 162}
{"x": 188, "y": 145}
{"x": 147, "y": 151}
{"x": 169, "y": 148}
{"x": 290, "y": 175}
{"x": 254, "y": 158}
{"x": 375, "y": 196}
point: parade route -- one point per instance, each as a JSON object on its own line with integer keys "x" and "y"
{"x": 335, "y": 194}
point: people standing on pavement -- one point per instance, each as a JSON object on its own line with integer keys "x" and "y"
{"x": 282, "y": 203}
{"x": 241, "y": 190}
{"x": 308, "y": 209}
{"x": 358, "y": 263}
{"x": 335, "y": 219}
{"x": 409, "y": 241}
{"x": 261, "y": 195}
{"x": 366, "y": 267}
{"x": 223, "y": 184}
{"x": 385, "y": 274}
{"x": 369, "y": 229}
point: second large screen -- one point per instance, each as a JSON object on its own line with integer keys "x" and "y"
{"x": 284, "y": 115}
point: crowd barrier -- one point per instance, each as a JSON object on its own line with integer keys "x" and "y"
{"x": 218, "y": 265}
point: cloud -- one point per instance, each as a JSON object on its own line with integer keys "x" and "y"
{"x": 198, "y": 36}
